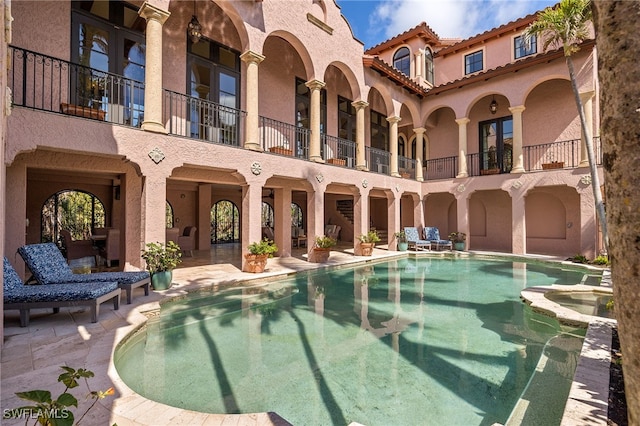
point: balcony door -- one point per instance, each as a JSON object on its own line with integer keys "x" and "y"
{"x": 496, "y": 145}
{"x": 107, "y": 44}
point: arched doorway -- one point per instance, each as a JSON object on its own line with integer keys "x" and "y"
{"x": 78, "y": 212}
{"x": 225, "y": 223}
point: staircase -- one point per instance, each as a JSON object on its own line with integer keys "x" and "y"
{"x": 345, "y": 208}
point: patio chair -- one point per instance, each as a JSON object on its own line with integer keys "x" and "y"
{"x": 414, "y": 240}
{"x": 17, "y": 296}
{"x": 187, "y": 241}
{"x": 78, "y": 249}
{"x": 432, "y": 234}
{"x": 46, "y": 263}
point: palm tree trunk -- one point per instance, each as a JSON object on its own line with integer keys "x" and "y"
{"x": 616, "y": 24}
{"x": 588, "y": 141}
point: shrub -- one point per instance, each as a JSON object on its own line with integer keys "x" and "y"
{"x": 369, "y": 237}
{"x": 160, "y": 258}
{"x": 325, "y": 242}
{"x": 264, "y": 246}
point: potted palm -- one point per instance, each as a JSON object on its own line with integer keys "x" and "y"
{"x": 368, "y": 242}
{"x": 322, "y": 249}
{"x": 259, "y": 252}
{"x": 401, "y": 239}
{"x": 458, "y": 239}
{"x": 161, "y": 260}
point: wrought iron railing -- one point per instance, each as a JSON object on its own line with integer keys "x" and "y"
{"x": 338, "y": 151}
{"x": 284, "y": 139}
{"x": 441, "y": 168}
{"x": 46, "y": 83}
{"x": 377, "y": 160}
{"x": 197, "y": 118}
{"x": 407, "y": 167}
{"x": 558, "y": 155}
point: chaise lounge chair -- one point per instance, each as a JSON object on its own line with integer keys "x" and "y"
{"x": 432, "y": 234}
{"x": 18, "y": 296}
{"x": 48, "y": 266}
{"x": 413, "y": 239}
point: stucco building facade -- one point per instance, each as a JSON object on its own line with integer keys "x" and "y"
{"x": 277, "y": 102}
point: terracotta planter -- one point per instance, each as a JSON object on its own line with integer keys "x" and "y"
{"x": 489, "y": 172}
{"x": 405, "y": 175}
{"x": 366, "y": 249}
{"x": 321, "y": 255}
{"x": 556, "y": 165}
{"x": 82, "y": 111}
{"x": 337, "y": 161}
{"x": 255, "y": 263}
{"x": 281, "y": 151}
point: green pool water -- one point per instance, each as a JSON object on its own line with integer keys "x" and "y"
{"x": 407, "y": 342}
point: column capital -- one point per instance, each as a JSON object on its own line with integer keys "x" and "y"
{"x": 251, "y": 57}
{"x": 394, "y": 119}
{"x": 517, "y": 108}
{"x": 419, "y": 130}
{"x": 359, "y": 104}
{"x": 586, "y": 95}
{"x": 462, "y": 121}
{"x": 315, "y": 84}
{"x": 154, "y": 13}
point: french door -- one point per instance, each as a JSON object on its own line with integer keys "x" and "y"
{"x": 496, "y": 145}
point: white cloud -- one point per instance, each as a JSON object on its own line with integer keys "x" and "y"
{"x": 449, "y": 18}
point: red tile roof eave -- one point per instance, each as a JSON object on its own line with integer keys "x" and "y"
{"x": 421, "y": 30}
{"x": 505, "y": 69}
{"x": 398, "y": 78}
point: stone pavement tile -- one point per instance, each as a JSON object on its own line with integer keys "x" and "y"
{"x": 16, "y": 367}
{"x": 20, "y": 351}
{"x": 189, "y": 418}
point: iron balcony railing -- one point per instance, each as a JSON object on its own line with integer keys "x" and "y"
{"x": 407, "y": 167}
{"x": 558, "y": 155}
{"x": 284, "y": 139}
{"x": 46, "y": 83}
{"x": 197, "y": 118}
{"x": 341, "y": 152}
{"x": 377, "y": 160}
{"x": 441, "y": 168}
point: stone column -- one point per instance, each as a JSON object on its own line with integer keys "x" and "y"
{"x": 204, "y": 216}
{"x": 393, "y": 144}
{"x": 153, "y": 92}
{"x": 587, "y": 103}
{"x": 518, "y": 222}
{"x": 251, "y": 220}
{"x": 314, "y": 149}
{"x": 361, "y": 216}
{"x": 361, "y": 161}
{"x": 419, "y": 154}
{"x": 462, "y": 147}
{"x": 462, "y": 217}
{"x": 517, "y": 165}
{"x": 282, "y": 227}
{"x": 315, "y": 218}
{"x": 252, "y": 125}
{"x": 394, "y": 220}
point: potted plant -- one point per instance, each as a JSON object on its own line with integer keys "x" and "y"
{"x": 161, "y": 260}
{"x": 368, "y": 242}
{"x": 401, "y": 239}
{"x": 458, "y": 239}
{"x": 259, "y": 252}
{"x": 322, "y": 248}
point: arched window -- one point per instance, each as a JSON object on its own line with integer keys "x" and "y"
{"x": 169, "y": 215}
{"x": 424, "y": 150}
{"x": 297, "y": 219}
{"x": 401, "y": 146}
{"x": 428, "y": 65}
{"x": 402, "y": 61}
{"x": 76, "y": 211}
{"x": 267, "y": 215}
{"x": 225, "y": 223}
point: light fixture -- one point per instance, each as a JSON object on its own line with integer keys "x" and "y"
{"x": 493, "y": 106}
{"x": 194, "y": 29}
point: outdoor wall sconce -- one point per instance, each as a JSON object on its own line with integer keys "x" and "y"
{"x": 493, "y": 106}
{"x": 194, "y": 29}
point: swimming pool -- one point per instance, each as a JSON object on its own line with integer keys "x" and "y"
{"x": 410, "y": 341}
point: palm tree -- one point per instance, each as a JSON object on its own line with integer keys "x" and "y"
{"x": 616, "y": 24}
{"x": 566, "y": 25}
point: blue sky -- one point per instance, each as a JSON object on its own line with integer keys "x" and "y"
{"x": 376, "y": 21}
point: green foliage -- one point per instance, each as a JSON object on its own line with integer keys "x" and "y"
{"x": 458, "y": 237}
{"x": 264, "y": 246}
{"x": 564, "y": 25}
{"x": 160, "y": 258}
{"x": 325, "y": 242}
{"x": 609, "y": 305}
{"x": 56, "y": 412}
{"x": 401, "y": 237}
{"x": 369, "y": 237}
{"x": 600, "y": 260}
{"x": 578, "y": 258}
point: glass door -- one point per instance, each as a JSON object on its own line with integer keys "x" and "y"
{"x": 496, "y": 146}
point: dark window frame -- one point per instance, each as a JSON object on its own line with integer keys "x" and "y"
{"x": 402, "y": 60}
{"x": 520, "y": 48}
{"x": 472, "y": 61}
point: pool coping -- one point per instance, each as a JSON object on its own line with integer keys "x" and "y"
{"x": 129, "y": 408}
